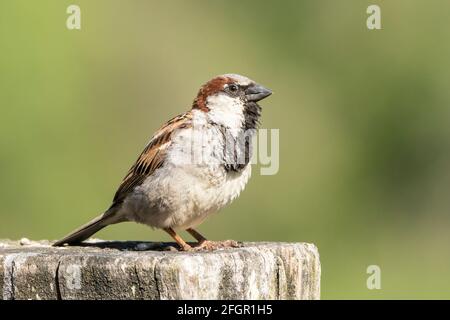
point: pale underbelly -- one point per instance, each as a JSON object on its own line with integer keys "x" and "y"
{"x": 182, "y": 198}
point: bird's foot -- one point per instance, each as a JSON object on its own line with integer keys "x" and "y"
{"x": 213, "y": 245}
{"x": 185, "y": 247}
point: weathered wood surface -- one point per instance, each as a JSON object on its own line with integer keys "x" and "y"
{"x": 145, "y": 270}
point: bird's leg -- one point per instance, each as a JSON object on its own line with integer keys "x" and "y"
{"x": 183, "y": 245}
{"x": 203, "y": 243}
{"x": 201, "y": 239}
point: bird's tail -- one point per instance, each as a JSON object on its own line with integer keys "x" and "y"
{"x": 87, "y": 230}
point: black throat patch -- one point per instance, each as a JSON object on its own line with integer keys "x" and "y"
{"x": 252, "y": 113}
{"x": 238, "y": 151}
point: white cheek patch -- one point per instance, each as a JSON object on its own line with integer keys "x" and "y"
{"x": 226, "y": 111}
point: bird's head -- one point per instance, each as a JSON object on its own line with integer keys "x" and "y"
{"x": 231, "y": 100}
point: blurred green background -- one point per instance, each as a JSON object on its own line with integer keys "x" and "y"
{"x": 363, "y": 116}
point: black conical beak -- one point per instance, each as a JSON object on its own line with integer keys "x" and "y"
{"x": 257, "y": 92}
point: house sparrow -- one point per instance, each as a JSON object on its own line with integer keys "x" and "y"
{"x": 193, "y": 166}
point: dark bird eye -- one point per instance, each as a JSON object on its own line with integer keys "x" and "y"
{"x": 233, "y": 88}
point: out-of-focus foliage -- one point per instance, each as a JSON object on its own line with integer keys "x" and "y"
{"x": 363, "y": 116}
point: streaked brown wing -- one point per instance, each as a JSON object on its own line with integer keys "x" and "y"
{"x": 152, "y": 157}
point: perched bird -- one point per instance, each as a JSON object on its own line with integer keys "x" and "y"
{"x": 193, "y": 166}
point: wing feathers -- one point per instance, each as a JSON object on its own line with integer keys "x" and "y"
{"x": 152, "y": 157}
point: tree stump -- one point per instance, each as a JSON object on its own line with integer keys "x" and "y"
{"x": 147, "y": 270}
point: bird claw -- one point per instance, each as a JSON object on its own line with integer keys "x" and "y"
{"x": 213, "y": 245}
